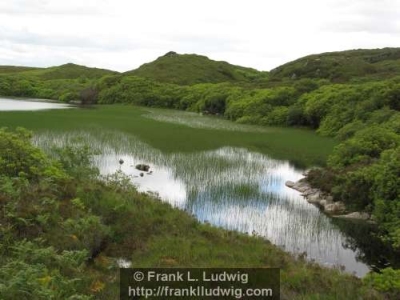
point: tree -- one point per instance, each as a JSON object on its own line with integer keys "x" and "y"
{"x": 88, "y": 96}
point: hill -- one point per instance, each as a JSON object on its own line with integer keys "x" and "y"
{"x": 72, "y": 71}
{"x": 189, "y": 69}
{"x": 15, "y": 69}
{"x": 343, "y": 66}
{"x": 64, "y": 83}
{"x": 66, "y": 71}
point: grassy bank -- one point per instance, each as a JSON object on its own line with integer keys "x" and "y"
{"x": 302, "y": 147}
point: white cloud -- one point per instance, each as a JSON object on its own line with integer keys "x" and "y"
{"x": 123, "y": 34}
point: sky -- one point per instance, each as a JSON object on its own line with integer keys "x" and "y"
{"x": 121, "y": 35}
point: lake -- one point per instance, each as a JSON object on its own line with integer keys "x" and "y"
{"x": 228, "y": 187}
{"x": 229, "y": 175}
{"x": 23, "y": 105}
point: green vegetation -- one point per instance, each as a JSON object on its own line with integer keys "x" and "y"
{"x": 344, "y": 66}
{"x": 189, "y": 69}
{"x": 63, "y": 227}
{"x": 142, "y": 122}
{"x": 352, "y": 96}
{"x": 64, "y": 83}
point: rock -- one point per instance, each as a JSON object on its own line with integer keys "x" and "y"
{"x": 334, "y": 208}
{"x": 310, "y": 192}
{"x": 329, "y": 199}
{"x": 141, "y": 174}
{"x": 313, "y": 199}
{"x": 143, "y": 167}
{"x": 356, "y": 216}
{"x": 330, "y": 208}
{"x": 289, "y": 183}
{"x": 315, "y": 196}
{"x": 123, "y": 263}
{"x": 301, "y": 187}
{"x": 340, "y": 206}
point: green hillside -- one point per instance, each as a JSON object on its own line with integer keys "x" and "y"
{"x": 188, "y": 69}
{"x": 15, "y": 69}
{"x": 64, "y": 83}
{"x": 66, "y": 71}
{"x": 72, "y": 71}
{"x": 343, "y": 66}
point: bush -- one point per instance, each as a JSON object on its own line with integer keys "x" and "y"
{"x": 18, "y": 158}
{"x": 388, "y": 281}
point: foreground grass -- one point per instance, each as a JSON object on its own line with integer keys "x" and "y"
{"x": 302, "y": 147}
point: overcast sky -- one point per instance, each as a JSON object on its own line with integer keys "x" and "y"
{"x": 123, "y": 34}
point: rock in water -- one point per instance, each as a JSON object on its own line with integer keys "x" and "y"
{"x": 143, "y": 167}
{"x": 289, "y": 183}
{"x": 356, "y": 216}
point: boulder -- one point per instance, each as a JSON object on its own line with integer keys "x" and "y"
{"x": 310, "y": 192}
{"x": 313, "y": 198}
{"x": 334, "y": 208}
{"x": 301, "y": 187}
{"x": 316, "y": 196}
{"x": 356, "y": 216}
{"x": 329, "y": 199}
{"x": 143, "y": 167}
{"x": 289, "y": 183}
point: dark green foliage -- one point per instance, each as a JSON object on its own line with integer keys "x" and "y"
{"x": 18, "y": 158}
{"x": 365, "y": 147}
{"x": 387, "y": 282}
{"x": 387, "y": 193}
{"x": 63, "y": 83}
{"x": 88, "y": 96}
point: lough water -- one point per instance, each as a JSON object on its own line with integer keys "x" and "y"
{"x": 31, "y": 105}
{"x": 236, "y": 189}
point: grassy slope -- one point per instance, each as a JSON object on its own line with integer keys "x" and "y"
{"x": 188, "y": 69}
{"x": 15, "y": 69}
{"x": 66, "y": 71}
{"x": 344, "y": 65}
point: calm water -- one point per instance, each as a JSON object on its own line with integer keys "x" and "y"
{"x": 229, "y": 187}
{"x": 19, "y": 105}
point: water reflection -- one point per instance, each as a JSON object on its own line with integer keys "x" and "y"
{"x": 21, "y": 105}
{"x": 228, "y": 187}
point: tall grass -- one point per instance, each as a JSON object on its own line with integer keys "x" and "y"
{"x": 302, "y": 147}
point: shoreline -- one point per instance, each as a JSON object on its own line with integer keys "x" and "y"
{"x": 326, "y": 202}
